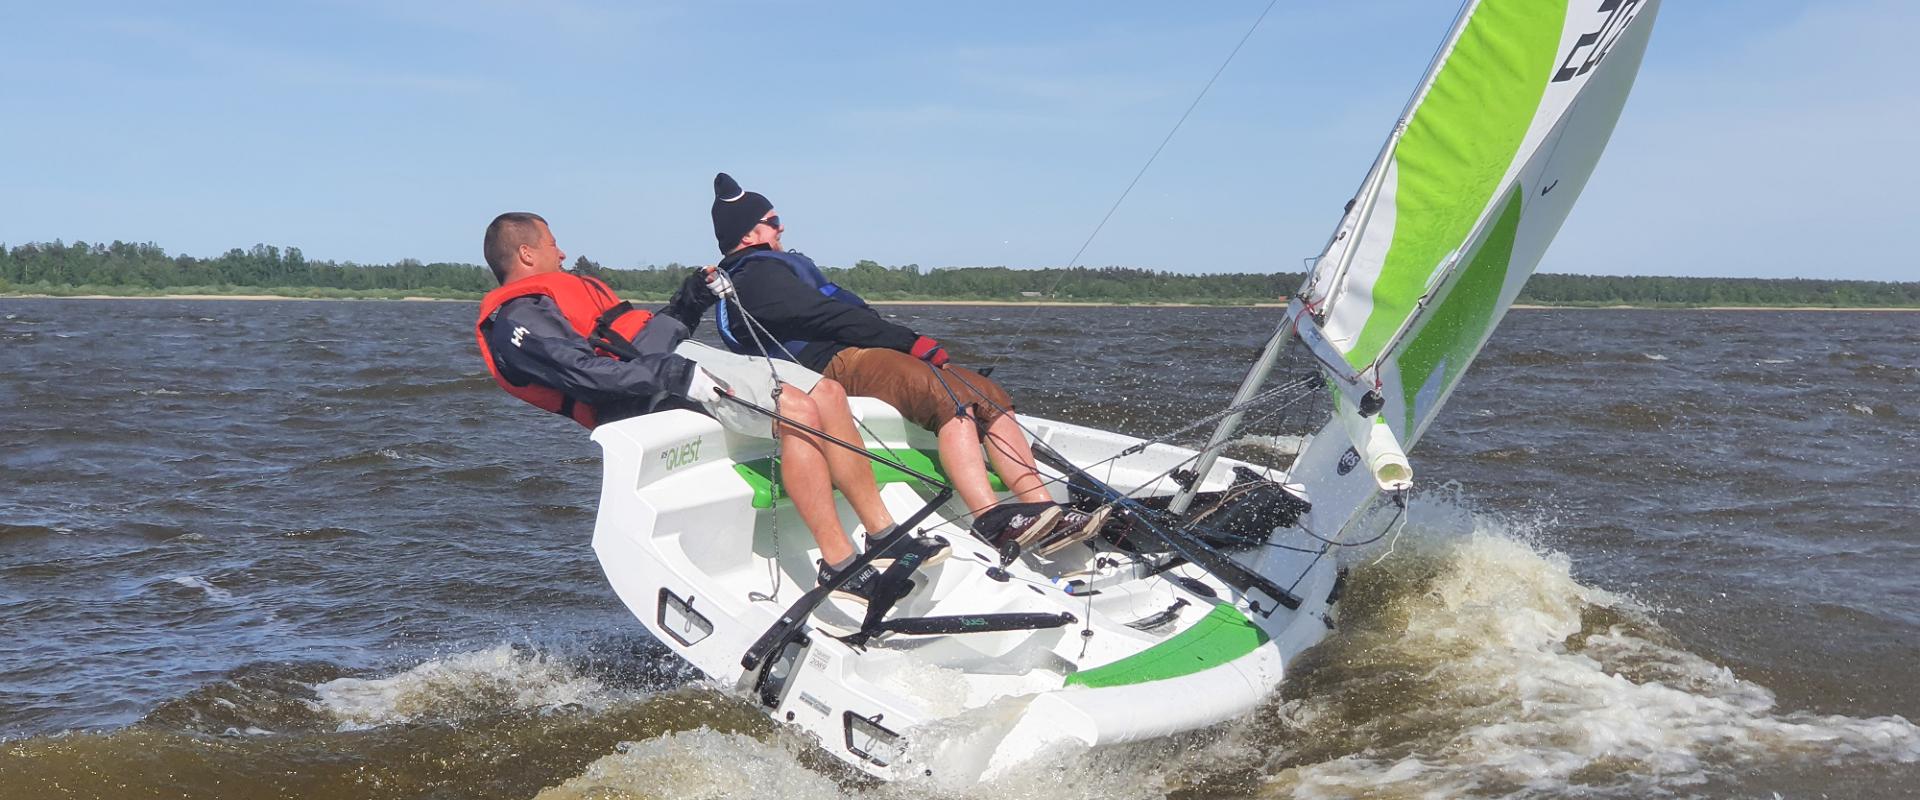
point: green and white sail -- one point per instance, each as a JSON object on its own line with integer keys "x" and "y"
{"x": 1469, "y": 190}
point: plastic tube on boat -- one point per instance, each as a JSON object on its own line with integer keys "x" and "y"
{"x": 1379, "y": 449}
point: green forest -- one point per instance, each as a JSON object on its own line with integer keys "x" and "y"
{"x": 128, "y": 269}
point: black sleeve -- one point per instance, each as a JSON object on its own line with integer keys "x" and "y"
{"x": 533, "y": 343}
{"x": 793, "y": 310}
{"x": 690, "y": 301}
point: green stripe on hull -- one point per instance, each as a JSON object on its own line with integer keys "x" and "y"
{"x": 1460, "y": 142}
{"x": 758, "y": 473}
{"x": 1220, "y": 637}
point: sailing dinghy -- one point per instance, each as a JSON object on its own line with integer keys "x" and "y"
{"x": 1214, "y": 574}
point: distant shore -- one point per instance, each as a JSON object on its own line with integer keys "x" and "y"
{"x": 991, "y": 303}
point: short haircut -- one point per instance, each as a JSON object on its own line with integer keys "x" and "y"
{"x": 505, "y": 235}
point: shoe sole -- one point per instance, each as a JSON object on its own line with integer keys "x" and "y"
{"x": 1048, "y": 519}
{"x": 938, "y": 556}
{"x": 929, "y": 560}
{"x": 1071, "y": 538}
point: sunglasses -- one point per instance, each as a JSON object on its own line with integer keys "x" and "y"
{"x": 771, "y": 222}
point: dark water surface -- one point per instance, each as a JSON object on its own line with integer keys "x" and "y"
{"x": 306, "y": 549}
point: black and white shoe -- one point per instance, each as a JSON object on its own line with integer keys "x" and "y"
{"x": 1075, "y": 526}
{"x": 1017, "y": 523}
{"x": 861, "y": 588}
{"x": 932, "y": 549}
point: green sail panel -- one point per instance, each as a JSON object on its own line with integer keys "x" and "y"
{"x": 1469, "y": 191}
{"x": 1459, "y": 143}
{"x": 1462, "y": 320}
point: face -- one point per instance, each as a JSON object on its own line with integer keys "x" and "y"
{"x": 765, "y": 233}
{"x": 543, "y": 256}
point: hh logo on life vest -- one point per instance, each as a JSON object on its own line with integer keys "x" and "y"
{"x": 1591, "y": 47}
{"x": 677, "y": 457}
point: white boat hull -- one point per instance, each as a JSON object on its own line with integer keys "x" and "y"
{"x": 673, "y": 537}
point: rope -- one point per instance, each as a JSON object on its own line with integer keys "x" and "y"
{"x": 756, "y": 329}
{"x": 1262, "y": 397}
{"x": 1075, "y": 261}
{"x": 775, "y": 466}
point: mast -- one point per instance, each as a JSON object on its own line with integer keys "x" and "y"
{"x": 1347, "y": 231}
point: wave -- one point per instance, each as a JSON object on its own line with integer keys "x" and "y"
{"x": 486, "y": 682}
{"x": 1475, "y": 664}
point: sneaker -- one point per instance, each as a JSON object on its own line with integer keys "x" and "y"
{"x": 1019, "y": 523}
{"x": 1075, "y": 526}
{"x": 933, "y": 549}
{"x": 860, "y": 588}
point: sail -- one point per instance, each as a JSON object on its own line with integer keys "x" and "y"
{"x": 1469, "y": 190}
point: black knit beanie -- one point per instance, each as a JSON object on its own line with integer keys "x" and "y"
{"x": 735, "y": 211}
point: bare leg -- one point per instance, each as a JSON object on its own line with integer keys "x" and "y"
{"x": 1013, "y": 460}
{"x": 804, "y": 475}
{"x": 851, "y": 471}
{"x": 960, "y": 455}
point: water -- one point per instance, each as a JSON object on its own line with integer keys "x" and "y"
{"x": 306, "y": 549}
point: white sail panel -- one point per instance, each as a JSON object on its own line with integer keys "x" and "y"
{"x": 1499, "y": 141}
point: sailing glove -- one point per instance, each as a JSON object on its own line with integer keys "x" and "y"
{"x": 930, "y": 351}
{"x": 695, "y": 293}
{"x": 704, "y": 388}
{"x": 718, "y": 282}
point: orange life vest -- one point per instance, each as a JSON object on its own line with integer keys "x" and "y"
{"x": 594, "y": 311}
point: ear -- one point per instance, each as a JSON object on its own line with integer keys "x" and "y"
{"x": 526, "y": 254}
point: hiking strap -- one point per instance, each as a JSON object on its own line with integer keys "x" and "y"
{"x": 793, "y": 621}
{"x": 964, "y": 623}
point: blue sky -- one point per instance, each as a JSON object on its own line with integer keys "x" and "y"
{"x": 1765, "y": 138}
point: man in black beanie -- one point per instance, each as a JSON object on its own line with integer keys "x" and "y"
{"x": 831, "y": 330}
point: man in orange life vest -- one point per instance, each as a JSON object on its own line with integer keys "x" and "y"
{"x": 566, "y": 344}
{"x": 825, "y": 327}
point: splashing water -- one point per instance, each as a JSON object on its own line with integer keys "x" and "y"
{"x": 1474, "y": 663}
{"x": 463, "y": 685}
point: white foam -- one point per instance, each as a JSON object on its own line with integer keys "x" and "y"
{"x": 462, "y": 685}
{"x": 1281, "y": 444}
{"x": 197, "y": 582}
{"x": 1505, "y": 688}
{"x": 1654, "y": 356}
{"x": 700, "y": 764}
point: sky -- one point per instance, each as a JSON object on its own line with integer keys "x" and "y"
{"x": 1769, "y": 138}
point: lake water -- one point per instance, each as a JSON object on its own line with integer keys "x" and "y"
{"x": 306, "y": 549}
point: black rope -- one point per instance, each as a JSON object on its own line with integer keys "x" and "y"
{"x": 1295, "y": 386}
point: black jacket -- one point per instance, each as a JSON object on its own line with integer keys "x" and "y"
{"x": 532, "y": 342}
{"x": 790, "y": 309}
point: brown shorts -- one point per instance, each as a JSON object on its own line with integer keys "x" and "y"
{"x": 909, "y": 385}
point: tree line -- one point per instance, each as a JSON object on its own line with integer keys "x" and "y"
{"x": 128, "y": 268}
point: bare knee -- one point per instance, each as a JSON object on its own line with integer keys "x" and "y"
{"x": 829, "y": 391}
{"x": 959, "y": 426}
{"x": 800, "y": 408}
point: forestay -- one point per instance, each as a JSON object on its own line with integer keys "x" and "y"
{"x": 1471, "y": 187}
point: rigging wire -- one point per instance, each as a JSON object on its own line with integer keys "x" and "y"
{"x": 757, "y": 330}
{"x": 1075, "y": 261}
{"x": 774, "y": 486}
